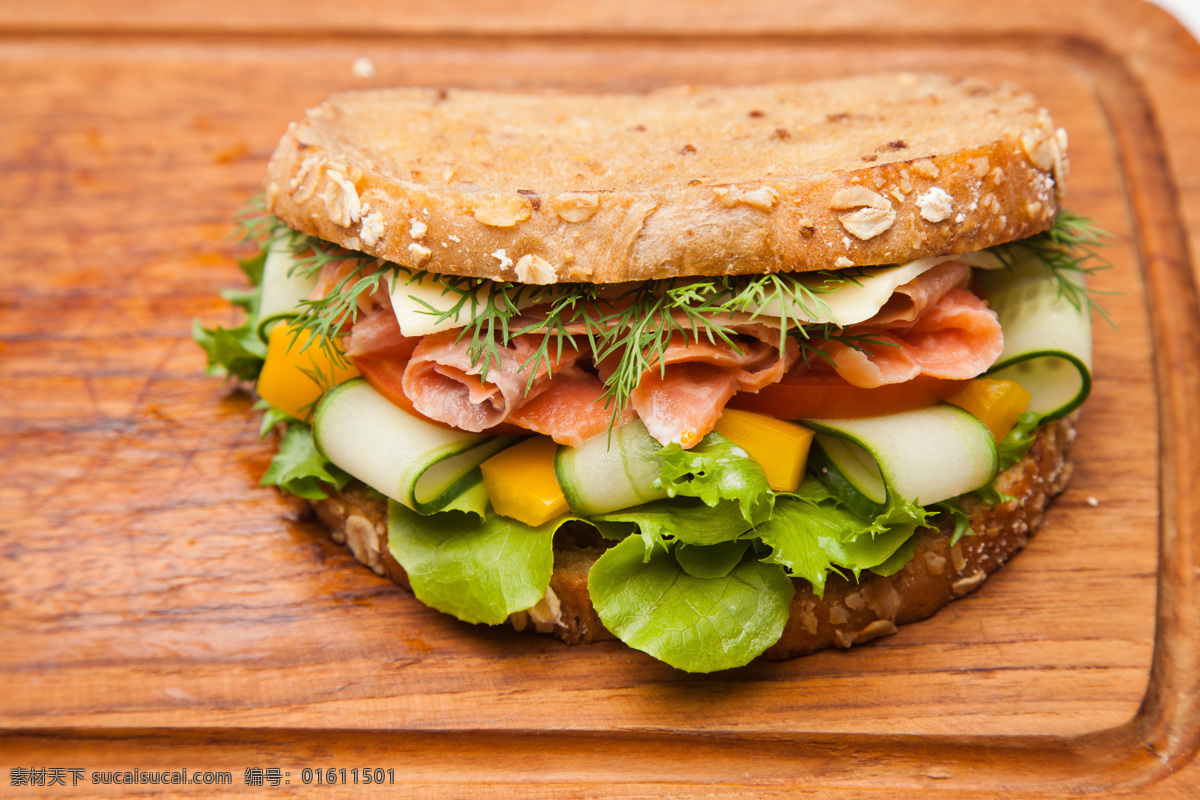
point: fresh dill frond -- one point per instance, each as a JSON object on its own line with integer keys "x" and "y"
{"x": 1067, "y": 252}
{"x": 324, "y": 318}
{"x": 255, "y": 223}
{"x": 630, "y": 329}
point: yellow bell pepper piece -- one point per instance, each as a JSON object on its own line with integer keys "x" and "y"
{"x": 996, "y": 404}
{"x": 521, "y": 484}
{"x": 780, "y": 448}
{"x": 283, "y": 381}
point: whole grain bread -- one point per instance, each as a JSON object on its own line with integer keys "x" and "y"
{"x": 848, "y": 613}
{"x": 553, "y": 186}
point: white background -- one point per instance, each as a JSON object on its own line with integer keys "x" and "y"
{"x": 1186, "y": 11}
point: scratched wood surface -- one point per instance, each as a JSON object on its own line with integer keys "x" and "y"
{"x": 157, "y": 608}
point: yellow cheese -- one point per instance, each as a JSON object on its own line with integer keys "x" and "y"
{"x": 521, "y": 484}
{"x": 286, "y": 380}
{"x": 996, "y": 404}
{"x": 780, "y": 448}
{"x": 415, "y": 295}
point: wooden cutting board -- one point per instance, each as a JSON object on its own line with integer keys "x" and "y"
{"x": 158, "y": 611}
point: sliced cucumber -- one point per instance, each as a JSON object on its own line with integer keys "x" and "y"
{"x": 611, "y": 472}
{"x": 1047, "y": 339}
{"x": 923, "y": 456}
{"x": 414, "y": 462}
{"x": 282, "y": 291}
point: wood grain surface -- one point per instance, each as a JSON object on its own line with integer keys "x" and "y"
{"x": 159, "y": 611}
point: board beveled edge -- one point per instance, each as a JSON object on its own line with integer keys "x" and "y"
{"x": 1159, "y": 739}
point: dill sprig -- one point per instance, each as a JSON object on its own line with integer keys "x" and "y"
{"x": 256, "y": 224}
{"x": 1067, "y": 252}
{"x": 630, "y": 329}
{"x": 325, "y": 318}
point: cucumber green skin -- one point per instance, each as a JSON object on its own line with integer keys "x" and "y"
{"x": 982, "y": 455}
{"x": 849, "y": 494}
{"x": 611, "y": 472}
{"x": 1006, "y": 370}
{"x": 1039, "y": 324}
{"x": 263, "y": 329}
{"x": 282, "y": 291}
{"x": 401, "y": 486}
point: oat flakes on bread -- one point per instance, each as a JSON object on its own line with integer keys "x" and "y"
{"x": 614, "y": 187}
{"x": 844, "y": 399}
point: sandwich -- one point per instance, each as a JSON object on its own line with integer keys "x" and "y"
{"x": 718, "y": 372}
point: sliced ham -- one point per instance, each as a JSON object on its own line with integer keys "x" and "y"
{"x": 910, "y": 300}
{"x": 933, "y": 326}
{"x": 378, "y": 334}
{"x": 571, "y": 409}
{"x": 682, "y": 399}
{"x": 444, "y": 384}
{"x": 956, "y": 337}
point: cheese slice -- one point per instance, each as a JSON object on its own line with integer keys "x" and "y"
{"x": 858, "y": 300}
{"x": 425, "y": 303}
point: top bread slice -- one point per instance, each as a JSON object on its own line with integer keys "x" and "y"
{"x": 603, "y": 188}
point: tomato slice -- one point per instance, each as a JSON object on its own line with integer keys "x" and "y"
{"x": 825, "y": 395}
{"x": 385, "y": 376}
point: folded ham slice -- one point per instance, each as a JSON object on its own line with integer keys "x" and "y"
{"x": 956, "y": 337}
{"x": 571, "y": 409}
{"x": 682, "y": 399}
{"x": 444, "y": 382}
{"x": 932, "y": 326}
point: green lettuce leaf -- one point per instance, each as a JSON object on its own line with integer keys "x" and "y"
{"x": 272, "y": 416}
{"x": 231, "y": 351}
{"x": 237, "y": 351}
{"x": 714, "y": 470}
{"x": 868, "y": 551}
{"x": 812, "y": 532}
{"x": 693, "y": 624}
{"x": 895, "y": 510}
{"x": 471, "y": 500}
{"x": 299, "y": 469}
{"x": 248, "y": 299}
{"x": 682, "y": 519}
{"x": 711, "y": 561}
{"x": 477, "y": 569}
{"x": 896, "y": 561}
{"x": 795, "y": 533}
{"x": 253, "y": 267}
{"x": 1016, "y": 444}
{"x": 962, "y": 520}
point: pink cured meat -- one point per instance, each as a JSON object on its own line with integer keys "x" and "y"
{"x": 378, "y": 334}
{"x": 682, "y": 401}
{"x": 571, "y": 409}
{"x": 910, "y": 300}
{"x": 935, "y": 328}
{"x": 444, "y": 384}
{"x": 957, "y": 337}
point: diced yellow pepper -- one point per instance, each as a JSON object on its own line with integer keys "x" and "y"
{"x": 996, "y": 404}
{"x": 521, "y": 484}
{"x": 780, "y": 448}
{"x": 283, "y": 381}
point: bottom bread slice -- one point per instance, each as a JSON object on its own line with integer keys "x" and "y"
{"x": 849, "y": 612}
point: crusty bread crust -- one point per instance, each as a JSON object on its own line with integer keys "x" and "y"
{"x": 849, "y": 613}
{"x": 602, "y": 188}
